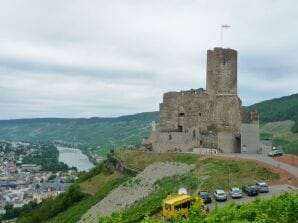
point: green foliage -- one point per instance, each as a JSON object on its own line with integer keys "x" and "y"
{"x": 278, "y": 209}
{"x": 83, "y": 176}
{"x": 295, "y": 127}
{"x": 283, "y": 208}
{"x": 46, "y": 155}
{"x": 93, "y": 132}
{"x": 74, "y": 213}
{"x": 209, "y": 173}
{"x": 282, "y": 136}
{"x": 11, "y": 212}
{"x": 152, "y": 204}
{"x": 279, "y": 109}
{"x": 52, "y": 206}
{"x": 227, "y": 173}
{"x": 266, "y": 136}
{"x": 185, "y": 158}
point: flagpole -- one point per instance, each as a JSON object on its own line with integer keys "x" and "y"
{"x": 221, "y": 36}
{"x": 224, "y": 26}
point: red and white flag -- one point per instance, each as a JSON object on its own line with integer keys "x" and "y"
{"x": 225, "y": 26}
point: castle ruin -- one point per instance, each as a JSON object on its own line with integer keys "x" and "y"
{"x": 211, "y": 118}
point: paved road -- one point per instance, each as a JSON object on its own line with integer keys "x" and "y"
{"x": 273, "y": 190}
{"x": 264, "y": 158}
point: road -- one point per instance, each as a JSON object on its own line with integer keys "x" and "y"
{"x": 273, "y": 190}
{"x": 264, "y": 158}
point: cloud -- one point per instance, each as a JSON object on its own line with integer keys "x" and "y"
{"x": 111, "y": 57}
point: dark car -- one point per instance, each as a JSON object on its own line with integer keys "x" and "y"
{"x": 205, "y": 196}
{"x": 250, "y": 190}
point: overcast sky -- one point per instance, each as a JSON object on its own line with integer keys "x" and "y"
{"x": 109, "y": 58}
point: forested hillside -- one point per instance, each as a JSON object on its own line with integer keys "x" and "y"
{"x": 102, "y": 133}
{"x": 279, "y": 109}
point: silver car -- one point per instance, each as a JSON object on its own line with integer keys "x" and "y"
{"x": 235, "y": 192}
{"x": 220, "y": 195}
{"x": 262, "y": 187}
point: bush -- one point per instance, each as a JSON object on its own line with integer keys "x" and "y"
{"x": 52, "y": 206}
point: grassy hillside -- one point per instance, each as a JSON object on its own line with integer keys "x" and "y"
{"x": 279, "y": 109}
{"x": 279, "y": 121}
{"x": 281, "y": 134}
{"x": 103, "y": 133}
{"x": 208, "y": 174}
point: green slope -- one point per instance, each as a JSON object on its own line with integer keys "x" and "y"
{"x": 104, "y": 132}
{"x": 279, "y": 109}
{"x": 281, "y": 134}
{"x": 279, "y": 121}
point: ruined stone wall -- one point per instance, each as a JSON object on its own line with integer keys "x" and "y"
{"x": 227, "y": 113}
{"x": 186, "y": 111}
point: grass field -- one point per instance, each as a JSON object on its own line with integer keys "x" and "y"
{"x": 139, "y": 160}
{"x": 211, "y": 173}
{"x": 96, "y": 183}
{"x": 282, "y": 135}
{"x": 74, "y": 213}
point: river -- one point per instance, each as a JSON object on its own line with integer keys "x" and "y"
{"x": 74, "y": 157}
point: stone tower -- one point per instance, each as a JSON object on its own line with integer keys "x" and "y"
{"x": 221, "y": 72}
{"x": 210, "y": 118}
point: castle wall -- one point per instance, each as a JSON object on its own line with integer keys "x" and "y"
{"x": 250, "y": 137}
{"x": 227, "y": 113}
{"x": 207, "y": 119}
{"x": 186, "y": 111}
{"x": 227, "y": 142}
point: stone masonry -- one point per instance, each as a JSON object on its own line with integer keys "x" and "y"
{"x": 210, "y": 118}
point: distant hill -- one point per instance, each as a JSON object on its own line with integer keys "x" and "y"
{"x": 131, "y": 129}
{"x": 279, "y": 109}
{"x": 104, "y": 132}
{"x": 275, "y": 116}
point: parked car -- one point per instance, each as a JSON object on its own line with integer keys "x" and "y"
{"x": 205, "y": 196}
{"x": 235, "y": 192}
{"x": 220, "y": 195}
{"x": 250, "y": 190}
{"x": 262, "y": 187}
{"x": 276, "y": 152}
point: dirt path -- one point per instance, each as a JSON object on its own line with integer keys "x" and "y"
{"x": 288, "y": 159}
{"x": 133, "y": 190}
